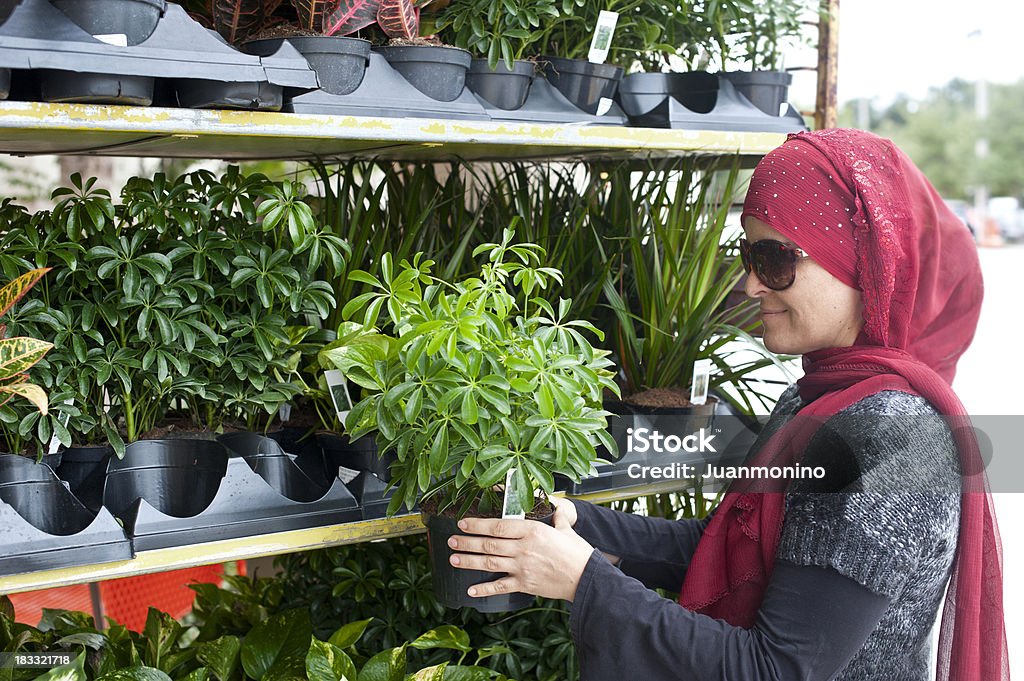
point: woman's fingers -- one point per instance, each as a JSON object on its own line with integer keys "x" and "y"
{"x": 489, "y": 545}
{"x": 505, "y": 585}
{"x": 476, "y": 561}
{"x": 497, "y": 527}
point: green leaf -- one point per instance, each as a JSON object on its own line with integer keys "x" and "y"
{"x": 349, "y": 634}
{"x": 222, "y": 656}
{"x": 387, "y": 665}
{"x": 435, "y": 673}
{"x": 445, "y": 636}
{"x": 73, "y": 671}
{"x": 135, "y": 674}
{"x": 327, "y": 662}
{"x": 277, "y": 649}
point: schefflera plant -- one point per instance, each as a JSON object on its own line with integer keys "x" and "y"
{"x": 475, "y": 377}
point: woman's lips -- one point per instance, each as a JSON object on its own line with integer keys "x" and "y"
{"x": 770, "y": 313}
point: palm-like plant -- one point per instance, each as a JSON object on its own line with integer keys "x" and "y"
{"x": 677, "y": 270}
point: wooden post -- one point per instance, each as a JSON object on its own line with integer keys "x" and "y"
{"x": 826, "y": 107}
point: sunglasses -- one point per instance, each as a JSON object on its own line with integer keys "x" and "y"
{"x": 773, "y": 261}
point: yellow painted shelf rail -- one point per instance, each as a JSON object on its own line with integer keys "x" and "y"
{"x": 32, "y": 128}
{"x": 161, "y": 560}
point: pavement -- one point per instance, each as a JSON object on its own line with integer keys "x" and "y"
{"x": 990, "y": 381}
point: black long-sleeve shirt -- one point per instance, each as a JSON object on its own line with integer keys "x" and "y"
{"x": 859, "y": 573}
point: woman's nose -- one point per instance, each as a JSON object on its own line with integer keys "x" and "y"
{"x": 753, "y": 286}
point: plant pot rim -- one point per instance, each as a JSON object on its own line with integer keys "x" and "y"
{"x": 521, "y": 67}
{"x": 760, "y": 75}
{"x": 162, "y": 4}
{"x": 581, "y": 66}
{"x": 309, "y": 38}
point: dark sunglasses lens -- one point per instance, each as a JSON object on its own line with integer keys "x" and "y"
{"x": 774, "y": 263}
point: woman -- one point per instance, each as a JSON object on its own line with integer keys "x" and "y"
{"x": 857, "y": 265}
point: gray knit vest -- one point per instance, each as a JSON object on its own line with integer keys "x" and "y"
{"x": 887, "y": 516}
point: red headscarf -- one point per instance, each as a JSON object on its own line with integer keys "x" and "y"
{"x": 858, "y": 206}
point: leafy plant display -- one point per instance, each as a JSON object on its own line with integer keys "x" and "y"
{"x": 189, "y": 297}
{"x": 669, "y": 294}
{"x": 241, "y": 20}
{"x": 498, "y": 31}
{"x": 479, "y": 376}
{"x": 764, "y": 31}
{"x": 281, "y": 646}
{"x": 19, "y": 354}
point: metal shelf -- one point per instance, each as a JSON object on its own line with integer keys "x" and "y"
{"x": 32, "y": 128}
{"x": 146, "y": 562}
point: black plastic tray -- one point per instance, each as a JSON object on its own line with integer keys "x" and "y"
{"x": 383, "y": 92}
{"x": 731, "y": 111}
{"x": 545, "y": 104}
{"x": 39, "y": 36}
{"x": 44, "y": 527}
{"x": 180, "y": 492}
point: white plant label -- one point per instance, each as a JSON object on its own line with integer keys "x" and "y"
{"x": 64, "y": 419}
{"x": 511, "y": 508}
{"x": 701, "y": 379}
{"x": 604, "y": 105}
{"x": 347, "y": 475}
{"x": 337, "y": 386}
{"x": 284, "y": 412}
{"x": 115, "y": 39}
{"x": 602, "y": 40}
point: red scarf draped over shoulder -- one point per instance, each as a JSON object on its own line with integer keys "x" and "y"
{"x": 858, "y": 206}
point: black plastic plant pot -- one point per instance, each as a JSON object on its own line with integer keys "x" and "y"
{"x": 282, "y": 471}
{"x": 43, "y": 526}
{"x": 94, "y": 88}
{"x": 437, "y": 72}
{"x": 451, "y": 583}
{"x": 135, "y": 19}
{"x": 5, "y": 83}
{"x": 339, "y": 62}
{"x": 361, "y": 455}
{"x": 697, "y": 91}
{"x": 84, "y": 469}
{"x": 501, "y": 87}
{"x": 52, "y": 460}
{"x": 183, "y": 492}
{"x": 179, "y": 478}
{"x": 582, "y": 82}
{"x": 210, "y": 94}
{"x": 765, "y": 89}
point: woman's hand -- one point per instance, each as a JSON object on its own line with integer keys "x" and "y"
{"x": 539, "y": 559}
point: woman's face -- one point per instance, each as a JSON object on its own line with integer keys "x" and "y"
{"x": 818, "y": 311}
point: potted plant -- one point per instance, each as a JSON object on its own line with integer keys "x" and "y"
{"x": 21, "y": 353}
{"x": 499, "y": 33}
{"x": 319, "y": 29}
{"x": 134, "y": 19}
{"x": 477, "y": 377}
{"x": 764, "y": 31}
{"x": 669, "y": 290}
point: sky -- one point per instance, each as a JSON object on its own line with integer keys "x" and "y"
{"x": 888, "y": 47}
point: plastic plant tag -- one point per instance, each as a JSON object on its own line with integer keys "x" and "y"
{"x": 115, "y": 39}
{"x": 338, "y": 387}
{"x": 602, "y": 40}
{"x": 701, "y": 379}
{"x": 604, "y": 105}
{"x": 511, "y": 508}
{"x": 284, "y": 412}
{"x": 54, "y": 442}
{"x": 347, "y": 475}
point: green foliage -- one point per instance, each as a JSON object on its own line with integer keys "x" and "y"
{"x": 940, "y": 132}
{"x": 189, "y": 297}
{"x": 760, "y": 32}
{"x": 277, "y": 647}
{"x": 669, "y": 293}
{"x": 529, "y": 644}
{"x": 498, "y": 30}
{"x": 480, "y": 376}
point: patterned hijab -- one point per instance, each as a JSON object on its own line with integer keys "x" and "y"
{"x": 860, "y": 208}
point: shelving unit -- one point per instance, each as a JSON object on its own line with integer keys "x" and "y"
{"x": 146, "y": 562}
{"x": 32, "y": 128}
